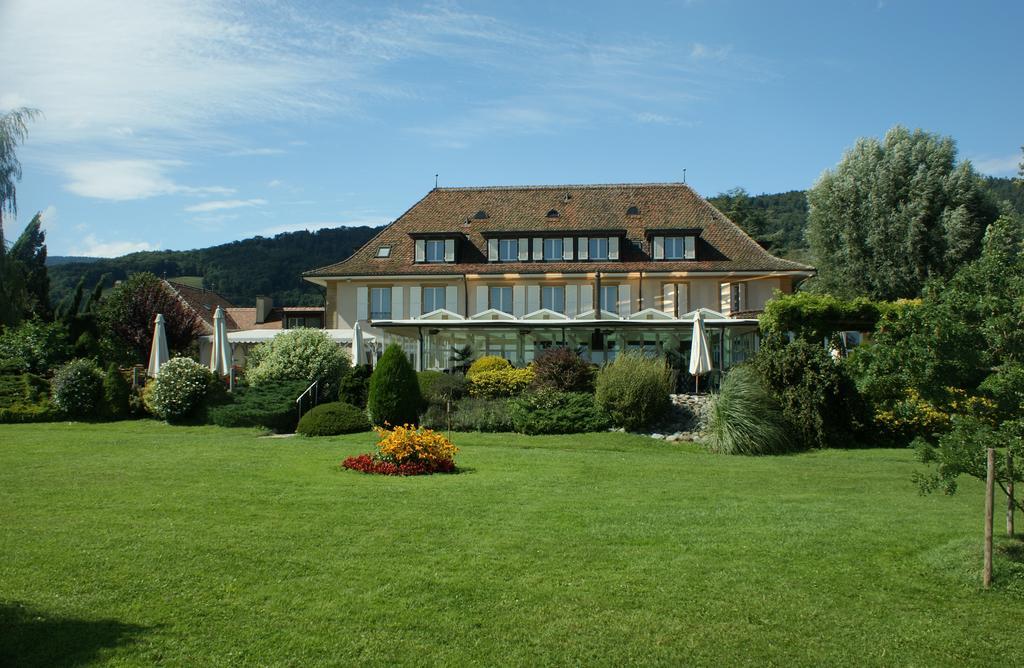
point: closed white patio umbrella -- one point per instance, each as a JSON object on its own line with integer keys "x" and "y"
{"x": 220, "y": 356}
{"x": 700, "y": 351}
{"x": 158, "y": 351}
{"x": 358, "y": 347}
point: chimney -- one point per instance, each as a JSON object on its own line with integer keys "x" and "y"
{"x": 263, "y": 308}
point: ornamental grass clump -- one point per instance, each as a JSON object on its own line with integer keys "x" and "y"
{"x": 633, "y": 389}
{"x": 407, "y": 450}
{"x": 745, "y": 419}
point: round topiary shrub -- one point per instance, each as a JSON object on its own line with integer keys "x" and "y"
{"x": 333, "y": 419}
{"x": 486, "y": 364}
{"x": 78, "y": 388}
{"x": 178, "y": 392}
{"x": 395, "y": 396}
{"x": 299, "y": 354}
{"x": 633, "y": 389}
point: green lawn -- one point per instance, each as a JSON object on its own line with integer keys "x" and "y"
{"x": 139, "y": 543}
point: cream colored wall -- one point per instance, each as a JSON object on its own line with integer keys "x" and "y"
{"x": 702, "y": 292}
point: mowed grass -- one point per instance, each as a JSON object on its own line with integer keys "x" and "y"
{"x": 138, "y": 543}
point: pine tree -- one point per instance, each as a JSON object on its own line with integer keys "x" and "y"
{"x": 395, "y": 396}
{"x": 30, "y": 252}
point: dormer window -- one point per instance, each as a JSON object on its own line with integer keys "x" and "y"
{"x": 508, "y": 250}
{"x": 674, "y": 247}
{"x": 435, "y": 251}
{"x": 633, "y": 211}
{"x": 383, "y": 251}
{"x": 553, "y": 213}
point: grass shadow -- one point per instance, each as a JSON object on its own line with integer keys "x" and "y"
{"x": 34, "y": 638}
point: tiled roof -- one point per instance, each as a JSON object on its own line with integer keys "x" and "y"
{"x": 721, "y": 245}
{"x": 203, "y": 302}
{"x": 244, "y": 318}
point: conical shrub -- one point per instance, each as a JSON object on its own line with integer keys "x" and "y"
{"x": 395, "y": 396}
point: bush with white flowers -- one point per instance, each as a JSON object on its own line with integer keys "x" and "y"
{"x": 178, "y": 391}
{"x": 299, "y": 354}
{"x": 77, "y": 388}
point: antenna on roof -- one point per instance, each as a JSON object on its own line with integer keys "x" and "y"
{"x": 684, "y": 174}
{"x": 435, "y": 180}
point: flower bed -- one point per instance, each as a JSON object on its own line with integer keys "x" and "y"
{"x": 407, "y": 450}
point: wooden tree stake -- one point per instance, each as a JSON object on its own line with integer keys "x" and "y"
{"x": 1010, "y": 501}
{"x": 990, "y": 485}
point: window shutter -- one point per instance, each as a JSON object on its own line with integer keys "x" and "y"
{"x": 625, "y": 301}
{"x": 571, "y": 292}
{"x": 682, "y": 298}
{"x": 449, "y": 250}
{"x": 397, "y": 302}
{"x": 481, "y": 298}
{"x": 451, "y": 298}
{"x": 743, "y": 296}
{"x": 362, "y": 302}
{"x": 524, "y": 250}
{"x": 532, "y": 298}
{"x": 659, "y": 248}
{"x": 723, "y": 301}
{"x": 492, "y": 250}
{"x": 415, "y": 293}
{"x": 584, "y": 248}
{"x": 567, "y": 248}
{"x": 613, "y": 248}
{"x": 690, "y": 248}
{"x": 538, "y": 248}
{"x": 668, "y": 298}
{"x": 518, "y": 300}
{"x": 421, "y": 250}
{"x": 586, "y": 298}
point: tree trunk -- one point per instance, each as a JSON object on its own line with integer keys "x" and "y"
{"x": 1010, "y": 501}
{"x": 990, "y": 488}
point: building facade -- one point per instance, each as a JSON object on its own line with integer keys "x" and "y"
{"x": 511, "y": 271}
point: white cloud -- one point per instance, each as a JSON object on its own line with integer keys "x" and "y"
{"x": 314, "y": 226}
{"x": 121, "y": 180}
{"x": 257, "y": 151}
{"x": 90, "y": 246}
{"x": 701, "y": 51}
{"x": 1002, "y": 166}
{"x": 220, "y": 205}
{"x": 48, "y": 217}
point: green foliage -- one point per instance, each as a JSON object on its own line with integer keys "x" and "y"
{"x": 814, "y": 317}
{"x": 239, "y": 270}
{"x": 745, "y": 419}
{"x": 77, "y": 388}
{"x": 633, "y": 389}
{"x": 116, "y": 393}
{"x": 29, "y": 250}
{"x": 128, "y": 313}
{"x": 487, "y": 363}
{"x": 894, "y": 214}
{"x": 34, "y": 346}
{"x": 440, "y": 388}
{"x": 471, "y": 414}
{"x": 395, "y": 397}
{"x": 299, "y": 354}
{"x": 333, "y": 419}
{"x": 505, "y": 381}
{"x": 24, "y": 397}
{"x": 554, "y": 412}
{"x": 562, "y": 370}
{"x": 354, "y": 387}
{"x": 270, "y": 407}
{"x": 819, "y": 399}
{"x": 178, "y": 393}
{"x": 777, "y": 222}
{"x": 1005, "y": 386}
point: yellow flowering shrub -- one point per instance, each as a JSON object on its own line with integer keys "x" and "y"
{"x": 912, "y": 416}
{"x": 409, "y": 443}
{"x": 506, "y": 382}
{"x": 486, "y": 364}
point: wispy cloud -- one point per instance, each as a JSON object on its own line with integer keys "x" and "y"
{"x": 999, "y": 166}
{"x": 121, "y": 180}
{"x": 90, "y": 246}
{"x": 224, "y": 204}
{"x": 246, "y": 152}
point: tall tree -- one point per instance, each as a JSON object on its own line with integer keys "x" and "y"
{"x": 895, "y": 213}
{"x": 29, "y": 251}
{"x": 13, "y": 130}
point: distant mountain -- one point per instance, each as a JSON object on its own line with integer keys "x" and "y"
{"x": 239, "y": 270}
{"x": 56, "y": 260}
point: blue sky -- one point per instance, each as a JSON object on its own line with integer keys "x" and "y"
{"x": 178, "y": 125}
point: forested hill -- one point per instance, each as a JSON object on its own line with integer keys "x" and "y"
{"x": 239, "y": 270}
{"x": 242, "y": 269}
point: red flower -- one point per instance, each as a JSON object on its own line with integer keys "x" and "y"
{"x": 367, "y": 463}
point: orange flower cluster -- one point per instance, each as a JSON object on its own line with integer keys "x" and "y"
{"x": 409, "y": 443}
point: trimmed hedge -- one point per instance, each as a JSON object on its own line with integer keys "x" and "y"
{"x": 395, "y": 397}
{"x": 268, "y": 406}
{"x": 333, "y": 419}
{"x": 557, "y": 413}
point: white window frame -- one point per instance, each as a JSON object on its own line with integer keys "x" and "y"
{"x": 505, "y": 298}
{"x": 433, "y": 251}
{"x": 383, "y": 251}
{"x": 552, "y": 296}
{"x": 379, "y": 295}
{"x": 598, "y": 244}
{"x": 554, "y": 250}
{"x": 508, "y": 250}
{"x": 437, "y": 298}
{"x": 613, "y": 307}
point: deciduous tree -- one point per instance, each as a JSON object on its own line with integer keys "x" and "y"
{"x": 127, "y": 315}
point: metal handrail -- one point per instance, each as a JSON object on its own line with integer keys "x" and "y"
{"x": 315, "y": 389}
